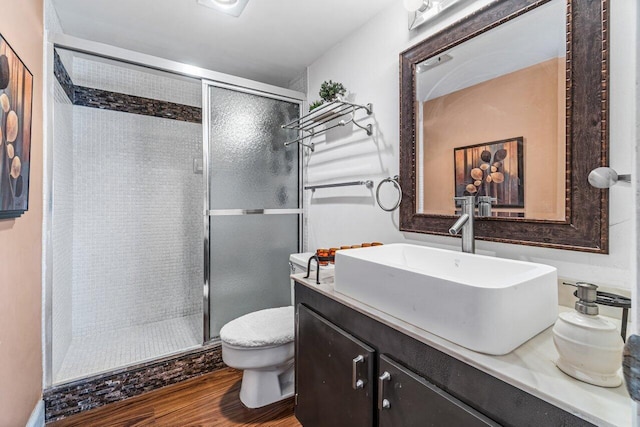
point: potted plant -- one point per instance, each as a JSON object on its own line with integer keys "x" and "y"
{"x": 330, "y": 90}
{"x": 315, "y": 104}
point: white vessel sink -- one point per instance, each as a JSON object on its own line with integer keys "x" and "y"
{"x": 486, "y": 304}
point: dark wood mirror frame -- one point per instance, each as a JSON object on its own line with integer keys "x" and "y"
{"x": 586, "y": 223}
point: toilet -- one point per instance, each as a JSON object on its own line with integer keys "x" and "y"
{"x": 262, "y": 345}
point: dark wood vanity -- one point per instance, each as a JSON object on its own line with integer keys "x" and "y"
{"x": 342, "y": 356}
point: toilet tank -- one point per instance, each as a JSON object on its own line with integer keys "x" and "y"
{"x": 298, "y": 264}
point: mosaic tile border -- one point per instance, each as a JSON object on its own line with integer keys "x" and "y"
{"x": 61, "y": 74}
{"x": 92, "y": 392}
{"x": 107, "y": 100}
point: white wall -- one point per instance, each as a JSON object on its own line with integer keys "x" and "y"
{"x": 367, "y": 62}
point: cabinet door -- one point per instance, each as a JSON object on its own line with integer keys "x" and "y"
{"x": 406, "y": 399}
{"x": 334, "y": 374}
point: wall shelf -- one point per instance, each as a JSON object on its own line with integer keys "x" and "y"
{"x": 315, "y": 123}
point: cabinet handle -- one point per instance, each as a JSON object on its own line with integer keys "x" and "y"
{"x": 355, "y": 382}
{"x": 382, "y": 402}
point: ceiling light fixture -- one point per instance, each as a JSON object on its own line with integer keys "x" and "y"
{"x": 230, "y": 7}
{"x": 432, "y": 62}
{"x": 417, "y": 5}
{"x": 422, "y": 11}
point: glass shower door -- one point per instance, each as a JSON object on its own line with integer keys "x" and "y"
{"x": 254, "y": 206}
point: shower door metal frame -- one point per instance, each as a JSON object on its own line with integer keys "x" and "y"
{"x": 63, "y": 41}
{"x": 208, "y": 212}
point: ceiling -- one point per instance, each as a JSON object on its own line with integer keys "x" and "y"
{"x": 272, "y": 41}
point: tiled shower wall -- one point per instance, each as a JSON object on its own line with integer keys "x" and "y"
{"x": 62, "y": 230}
{"x": 131, "y": 80}
{"x": 137, "y": 203}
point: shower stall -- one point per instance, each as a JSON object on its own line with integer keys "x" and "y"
{"x": 172, "y": 207}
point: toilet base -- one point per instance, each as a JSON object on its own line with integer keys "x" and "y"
{"x": 261, "y": 387}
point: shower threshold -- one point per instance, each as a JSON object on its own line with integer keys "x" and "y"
{"x": 109, "y": 350}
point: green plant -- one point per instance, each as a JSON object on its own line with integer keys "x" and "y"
{"x": 330, "y": 90}
{"x": 315, "y": 104}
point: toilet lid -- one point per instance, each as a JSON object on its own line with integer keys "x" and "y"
{"x": 269, "y": 327}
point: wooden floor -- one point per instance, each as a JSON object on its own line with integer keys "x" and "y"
{"x": 209, "y": 400}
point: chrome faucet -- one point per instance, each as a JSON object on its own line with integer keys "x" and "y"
{"x": 465, "y": 223}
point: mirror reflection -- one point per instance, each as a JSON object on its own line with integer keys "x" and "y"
{"x": 491, "y": 120}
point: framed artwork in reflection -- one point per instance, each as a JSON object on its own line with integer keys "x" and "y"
{"x": 494, "y": 169}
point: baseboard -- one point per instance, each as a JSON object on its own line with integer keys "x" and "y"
{"x": 37, "y": 415}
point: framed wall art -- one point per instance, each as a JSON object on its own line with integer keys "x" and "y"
{"x": 16, "y": 97}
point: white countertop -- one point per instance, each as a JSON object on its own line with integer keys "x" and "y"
{"x": 531, "y": 367}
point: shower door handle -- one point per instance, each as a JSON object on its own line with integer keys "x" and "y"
{"x": 234, "y": 212}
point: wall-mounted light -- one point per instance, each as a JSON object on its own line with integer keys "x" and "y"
{"x": 606, "y": 177}
{"x": 423, "y": 11}
{"x": 230, "y": 7}
{"x": 433, "y": 62}
{"x": 417, "y": 5}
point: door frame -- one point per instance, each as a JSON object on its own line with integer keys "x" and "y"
{"x": 281, "y": 95}
{"x": 58, "y": 40}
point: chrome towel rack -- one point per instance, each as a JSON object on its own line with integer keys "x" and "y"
{"x": 368, "y": 183}
{"x": 309, "y": 124}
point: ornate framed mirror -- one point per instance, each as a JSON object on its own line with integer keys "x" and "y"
{"x": 510, "y": 102}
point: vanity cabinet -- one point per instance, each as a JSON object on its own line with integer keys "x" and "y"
{"x": 342, "y": 356}
{"x": 336, "y": 384}
{"x": 406, "y": 399}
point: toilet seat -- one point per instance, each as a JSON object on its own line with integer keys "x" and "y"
{"x": 265, "y": 328}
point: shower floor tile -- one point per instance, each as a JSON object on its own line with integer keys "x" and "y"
{"x": 110, "y": 350}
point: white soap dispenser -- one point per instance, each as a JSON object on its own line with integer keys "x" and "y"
{"x": 590, "y": 346}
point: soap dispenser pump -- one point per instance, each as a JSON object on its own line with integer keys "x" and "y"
{"x": 590, "y": 346}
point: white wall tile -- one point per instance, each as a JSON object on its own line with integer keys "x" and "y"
{"x": 62, "y": 226}
{"x": 137, "y": 220}
{"x": 134, "y": 80}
